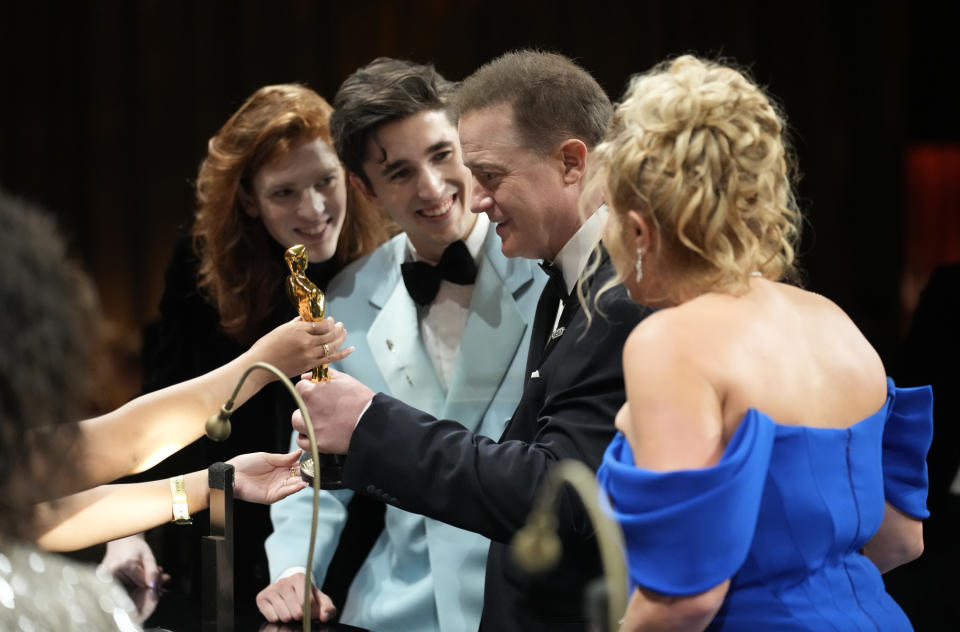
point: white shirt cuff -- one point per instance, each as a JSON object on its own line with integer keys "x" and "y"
{"x": 293, "y": 570}
{"x": 362, "y": 413}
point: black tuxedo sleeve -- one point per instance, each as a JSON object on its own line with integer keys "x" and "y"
{"x": 440, "y": 469}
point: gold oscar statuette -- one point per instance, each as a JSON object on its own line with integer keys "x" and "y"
{"x": 311, "y": 304}
{"x": 305, "y": 296}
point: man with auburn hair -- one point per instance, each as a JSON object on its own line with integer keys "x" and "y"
{"x": 440, "y": 319}
{"x": 528, "y": 121}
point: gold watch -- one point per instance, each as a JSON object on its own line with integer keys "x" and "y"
{"x": 181, "y": 515}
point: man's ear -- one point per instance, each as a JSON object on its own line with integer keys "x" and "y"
{"x": 362, "y": 187}
{"x": 247, "y": 202}
{"x": 573, "y": 156}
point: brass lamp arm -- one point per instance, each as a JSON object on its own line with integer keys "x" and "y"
{"x": 222, "y": 418}
{"x": 537, "y": 546}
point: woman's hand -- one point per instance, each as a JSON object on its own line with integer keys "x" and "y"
{"x": 265, "y": 478}
{"x": 298, "y": 346}
{"x": 131, "y": 562}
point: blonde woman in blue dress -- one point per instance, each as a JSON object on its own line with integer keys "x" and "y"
{"x": 766, "y": 472}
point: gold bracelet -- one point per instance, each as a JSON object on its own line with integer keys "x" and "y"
{"x": 181, "y": 515}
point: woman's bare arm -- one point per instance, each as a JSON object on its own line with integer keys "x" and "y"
{"x": 109, "y": 512}
{"x": 148, "y": 429}
{"x": 898, "y": 540}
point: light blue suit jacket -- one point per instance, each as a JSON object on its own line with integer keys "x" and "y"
{"x": 421, "y": 574}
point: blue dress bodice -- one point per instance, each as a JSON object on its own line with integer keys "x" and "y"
{"x": 783, "y": 515}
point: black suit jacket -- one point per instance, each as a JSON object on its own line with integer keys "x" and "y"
{"x": 440, "y": 469}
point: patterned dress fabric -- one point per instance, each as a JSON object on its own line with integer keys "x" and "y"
{"x": 44, "y": 592}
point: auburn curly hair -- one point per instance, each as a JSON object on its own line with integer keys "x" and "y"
{"x": 701, "y": 151}
{"x": 239, "y": 271}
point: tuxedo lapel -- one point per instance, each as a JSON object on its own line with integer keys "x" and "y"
{"x": 542, "y": 324}
{"x": 398, "y": 351}
{"x": 493, "y": 331}
{"x": 570, "y": 309}
{"x": 544, "y": 338}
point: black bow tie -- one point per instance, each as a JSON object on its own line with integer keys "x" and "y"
{"x": 556, "y": 278}
{"x": 423, "y": 280}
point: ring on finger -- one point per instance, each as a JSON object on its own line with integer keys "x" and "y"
{"x": 326, "y": 349}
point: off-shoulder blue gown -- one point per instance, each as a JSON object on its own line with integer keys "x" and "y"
{"x": 784, "y": 514}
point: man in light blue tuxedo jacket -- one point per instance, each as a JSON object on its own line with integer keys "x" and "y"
{"x": 528, "y": 121}
{"x": 460, "y": 354}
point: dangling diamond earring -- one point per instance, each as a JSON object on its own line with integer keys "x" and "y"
{"x": 639, "y": 264}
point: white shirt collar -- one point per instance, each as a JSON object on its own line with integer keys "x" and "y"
{"x": 474, "y": 240}
{"x": 573, "y": 257}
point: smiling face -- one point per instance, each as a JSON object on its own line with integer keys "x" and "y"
{"x": 301, "y": 198}
{"x": 523, "y": 192}
{"x": 417, "y": 177}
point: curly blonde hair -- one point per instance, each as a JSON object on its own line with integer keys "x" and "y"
{"x": 701, "y": 151}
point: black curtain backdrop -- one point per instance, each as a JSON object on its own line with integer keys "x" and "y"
{"x": 107, "y": 106}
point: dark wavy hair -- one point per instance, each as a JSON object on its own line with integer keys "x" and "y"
{"x": 49, "y": 326}
{"x": 239, "y": 269}
{"x": 383, "y": 91}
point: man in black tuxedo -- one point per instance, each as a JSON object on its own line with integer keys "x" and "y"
{"x": 528, "y": 121}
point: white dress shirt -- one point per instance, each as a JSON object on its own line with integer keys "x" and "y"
{"x": 442, "y": 321}
{"x": 573, "y": 257}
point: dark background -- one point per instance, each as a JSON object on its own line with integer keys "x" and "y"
{"x": 107, "y": 107}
